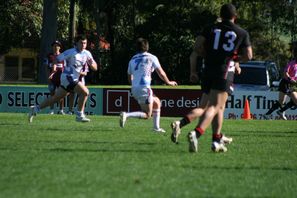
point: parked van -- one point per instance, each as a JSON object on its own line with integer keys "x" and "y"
{"x": 257, "y": 76}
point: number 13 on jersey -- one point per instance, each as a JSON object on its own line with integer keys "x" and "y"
{"x": 228, "y": 40}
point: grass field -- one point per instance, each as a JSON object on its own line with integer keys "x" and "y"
{"x": 58, "y": 157}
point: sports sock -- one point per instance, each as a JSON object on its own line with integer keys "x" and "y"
{"x": 184, "y": 121}
{"x": 79, "y": 113}
{"x": 136, "y": 114}
{"x": 36, "y": 108}
{"x": 156, "y": 118}
{"x": 273, "y": 108}
{"x": 288, "y": 106}
{"x": 199, "y": 132}
{"x": 216, "y": 137}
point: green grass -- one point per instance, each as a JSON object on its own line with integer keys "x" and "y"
{"x": 58, "y": 157}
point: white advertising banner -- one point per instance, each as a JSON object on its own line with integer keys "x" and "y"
{"x": 259, "y": 103}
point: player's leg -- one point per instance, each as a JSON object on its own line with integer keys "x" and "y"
{"x": 217, "y": 124}
{"x": 58, "y": 84}
{"x": 71, "y": 103}
{"x": 217, "y": 100}
{"x": 145, "y": 101}
{"x": 60, "y": 93}
{"x": 135, "y": 114}
{"x": 291, "y": 103}
{"x": 61, "y": 106}
{"x": 187, "y": 119}
{"x": 292, "y": 91}
{"x": 147, "y": 109}
{"x": 156, "y": 113}
{"x": 218, "y": 139}
{"x": 282, "y": 106}
{"x": 51, "y": 88}
{"x": 276, "y": 105}
{"x": 284, "y": 89}
{"x": 83, "y": 93}
{"x": 294, "y": 97}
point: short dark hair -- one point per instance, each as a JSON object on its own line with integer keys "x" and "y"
{"x": 80, "y": 37}
{"x": 142, "y": 45}
{"x": 228, "y": 11}
{"x": 56, "y": 42}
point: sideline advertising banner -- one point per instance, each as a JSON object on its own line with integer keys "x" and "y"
{"x": 178, "y": 102}
{"x": 175, "y": 102}
{"x": 20, "y": 98}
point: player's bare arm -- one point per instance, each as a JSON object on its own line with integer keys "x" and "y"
{"x": 247, "y": 54}
{"x": 54, "y": 69}
{"x": 92, "y": 64}
{"x": 164, "y": 77}
{"x": 287, "y": 76}
{"x": 130, "y": 79}
{"x": 83, "y": 73}
{"x": 193, "y": 70}
{"x": 237, "y": 68}
{"x": 198, "y": 51}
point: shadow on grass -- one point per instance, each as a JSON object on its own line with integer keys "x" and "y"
{"x": 88, "y": 142}
{"x": 111, "y": 146}
{"x": 263, "y": 133}
{"x": 71, "y": 130}
{"x": 103, "y": 150}
{"x": 85, "y": 150}
{"x": 10, "y": 124}
{"x": 236, "y": 168}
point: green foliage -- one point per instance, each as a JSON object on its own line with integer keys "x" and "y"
{"x": 20, "y": 21}
{"x": 23, "y": 20}
{"x": 63, "y": 20}
{"x": 269, "y": 28}
{"x": 170, "y": 25}
{"x": 57, "y": 157}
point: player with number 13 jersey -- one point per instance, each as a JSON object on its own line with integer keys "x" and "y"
{"x": 223, "y": 41}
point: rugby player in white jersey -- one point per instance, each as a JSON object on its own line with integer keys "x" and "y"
{"x": 71, "y": 95}
{"x": 76, "y": 58}
{"x": 140, "y": 69}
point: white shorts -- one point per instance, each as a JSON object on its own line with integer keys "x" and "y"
{"x": 68, "y": 82}
{"x": 143, "y": 95}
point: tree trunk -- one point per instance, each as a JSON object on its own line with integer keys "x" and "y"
{"x": 97, "y": 15}
{"x": 72, "y": 25}
{"x": 48, "y": 35}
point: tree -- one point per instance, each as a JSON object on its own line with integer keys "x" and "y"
{"x": 72, "y": 22}
{"x": 170, "y": 25}
{"x": 48, "y": 35}
{"x": 20, "y": 24}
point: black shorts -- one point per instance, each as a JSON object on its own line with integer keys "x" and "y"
{"x": 218, "y": 78}
{"x": 69, "y": 84}
{"x": 285, "y": 86}
{"x": 216, "y": 83}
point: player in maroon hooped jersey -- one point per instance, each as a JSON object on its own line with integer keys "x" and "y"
{"x": 56, "y": 69}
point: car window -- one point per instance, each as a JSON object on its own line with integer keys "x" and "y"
{"x": 251, "y": 75}
{"x": 273, "y": 72}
